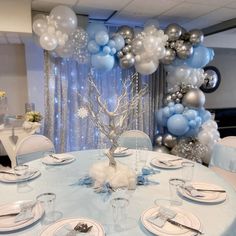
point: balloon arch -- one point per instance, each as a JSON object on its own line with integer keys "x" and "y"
{"x": 187, "y": 125}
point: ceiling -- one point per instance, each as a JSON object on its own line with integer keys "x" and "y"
{"x": 188, "y": 13}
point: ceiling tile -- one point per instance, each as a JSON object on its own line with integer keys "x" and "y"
{"x": 189, "y": 10}
{"x": 150, "y": 7}
{"x": 214, "y": 17}
{"x": 231, "y": 5}
{"x": 47, "y": 5}
{"x": 210, "y": 2}
{"x": 13, "y": 38}
{"x": 103, "y": 4}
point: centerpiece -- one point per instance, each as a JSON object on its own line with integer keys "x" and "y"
{"x": 32, "y": 121}
{"x": 112, "y": 124}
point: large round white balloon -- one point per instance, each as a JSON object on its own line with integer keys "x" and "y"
{"x": 48, "y": 41}
{"x": 40, "y": 26}
{"x": 65, "y": 51}
{"x": 65, "y": 18}
{"x": 146, "y": 68}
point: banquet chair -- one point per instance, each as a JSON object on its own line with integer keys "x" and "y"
{"x": 32, "y": 147}
{"x": 223, "y": 159}
{"x": 135, "y": 139}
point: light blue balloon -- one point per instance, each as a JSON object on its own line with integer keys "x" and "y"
{"x": 101, "y": 38}
{"x": 200, "y": 57}
{"x": 111, "y": 43}
{"x": 190, "y": 114}
{"x": 171, "y": 104}
{"x": 172, "y": 110}
{"x": 166, "y": 112}
{"x": 206, "y": 116}
{"x": 198, "y": 120}
{"x": 177, "y": 125}
{"x": 93, "y": 47}
{"x": 192, "y": 124}
{"x": 106, "y": 50}
{"x": 119, "y": 42}
{"x": 113, "y": 51}
{"x": 179, "y": 108}
{"x": 192, "y": 132}
{"x": 102, "y": 62}
{"x": 93, "y": 28}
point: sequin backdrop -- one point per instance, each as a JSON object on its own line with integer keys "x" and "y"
{"x": 64, "y": 78}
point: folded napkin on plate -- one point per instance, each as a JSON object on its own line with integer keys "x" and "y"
{"x": 162, "y": 216}
{"x": 193, "y": 191}
{"x": 59, "y": 157}
{"x": 149, "y": 171}
{"x": 25, "y": 211}
{"x": 68, "y": 230}
{"x": 143, "y": 180}
{"x": 120, "y": 150}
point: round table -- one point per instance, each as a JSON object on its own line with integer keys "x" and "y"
{"x": 75, "y": 201}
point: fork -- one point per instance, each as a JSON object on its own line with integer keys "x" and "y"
{"x": 57, "y": 158}
{"x": 10, "y": 173}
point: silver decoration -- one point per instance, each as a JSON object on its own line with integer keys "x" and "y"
{"x": 169, "y": 56}
{"x": 196, "y": 37}
{"x": 194, "y": 98}
{"x": 127, "y": 61}
{"x": 112, "y": 123}
{"x": 126, "y": 31}
{"x": 158, "y": 140}
{"x": 184, "y": 51}
{"x": 190, "y": 149}
{"x": 210, "y": 80}
{"x": 161, "y": 149}
{"x": 169, "y": 140}
{"x": 173, "y": 31}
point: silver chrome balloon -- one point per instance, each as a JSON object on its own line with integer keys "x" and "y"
{"x": 126, "y": 31}
{"x": 158, "y": 140}
{"x": 194, "y": 98}
{"x": 196, "y": 37}
{"x": 169, "y": 56}
{"x": 173, "y": 31}
{"x": 169, "y": 140}
{"x": 185, "y": 50}
{"x": 161, "y": 149}
{"x": 127, "y": 61}
{"x": 210, "y": 80}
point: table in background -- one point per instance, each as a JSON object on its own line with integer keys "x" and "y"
{"x": 80, "y": 201}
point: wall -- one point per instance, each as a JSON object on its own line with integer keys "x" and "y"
{"x": 13, "y": 78}
{"x": 225, "y": 95}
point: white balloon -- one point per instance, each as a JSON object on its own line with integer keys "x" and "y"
{"x": 51, "y": 29}
{"x": 48, "y": 41}
{"x": 65, "y": 18}
{"x": 182, "y": 72}
{"x": 39, "y": 16}
{"x": 40, "y": 26}
{"x": 146, "y": 68}
{"x": 205, "y": 137}
{"x": 171, "y": 79}
{"x": 65, "y": 51}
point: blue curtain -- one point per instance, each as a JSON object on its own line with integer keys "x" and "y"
{"x": 65, "y": 78}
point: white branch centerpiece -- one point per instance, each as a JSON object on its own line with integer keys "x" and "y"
{"x": 111, "y": 123}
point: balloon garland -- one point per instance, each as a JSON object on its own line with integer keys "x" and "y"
{"x": 186, "y": 123}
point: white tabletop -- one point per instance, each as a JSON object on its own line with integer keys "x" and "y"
{"x": 80, "y": 201}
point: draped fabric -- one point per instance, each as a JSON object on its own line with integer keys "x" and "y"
{"x": 65, "y": 79}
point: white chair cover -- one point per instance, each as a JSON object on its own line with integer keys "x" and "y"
{"x": 135, "y": 139}
{"x": 223, "y": 159}
{"x": 32, "y": 147}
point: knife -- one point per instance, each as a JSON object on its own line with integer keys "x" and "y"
{"x": 211, "y": 190}
{"x": 173, "y": 222}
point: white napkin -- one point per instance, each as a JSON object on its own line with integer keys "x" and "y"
{"x": 25, "y": 211}
{"x": 68, "y": 230}
{"x": 120, "y": 150}
{"x": 193, "y": 192}
{"x": 162, "y": 216}
{"x": 61, "y": 157}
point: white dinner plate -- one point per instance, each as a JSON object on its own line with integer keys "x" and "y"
{"x": 208, "y": 197}
{"x": 11, "y": 178}
{"x": 121, "y": 154}
{"x": 7, "y": 223}
{"x": 176, "y": 164}
{"x": 169, "y": 229}
{"x": 65, "y": 159}
{"x": 53, "y": 230}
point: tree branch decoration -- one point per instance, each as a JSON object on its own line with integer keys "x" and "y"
{"x": 111, "y": 123}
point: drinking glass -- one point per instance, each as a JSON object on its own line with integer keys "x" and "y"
{"x": 119, "y": 211}
{"x": 187, "y": 170}
{"x": 174, "y": 185}
{"x": 21, "y": 171}
{"x": 47, "y": 200}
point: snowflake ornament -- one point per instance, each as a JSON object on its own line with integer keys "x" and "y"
{"x": 82, "y": 112}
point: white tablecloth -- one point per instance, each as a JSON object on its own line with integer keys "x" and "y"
{"x": 80, "y": 201}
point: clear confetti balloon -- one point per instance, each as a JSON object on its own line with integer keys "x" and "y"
{"x": 79, "y": 38}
